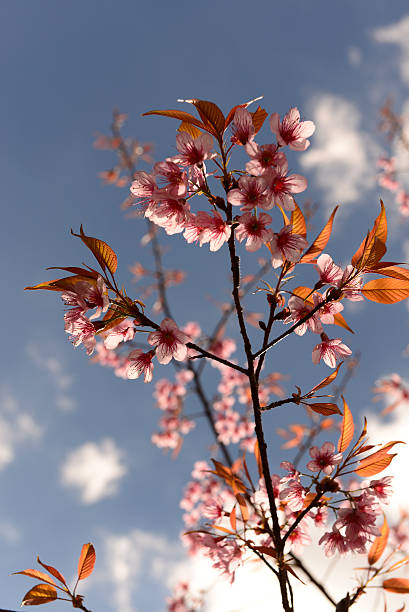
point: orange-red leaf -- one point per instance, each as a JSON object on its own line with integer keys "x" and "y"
{"x": 391, "y": 270}
{"x": 298, "y": 222}
{"x": 33, "y": 573}
{"x": 396, "y": 585}
{"x": 324, "y": 408}
{"x": 40, "y": 594}
{"x": 53, "y": 571}
{"x": 258, "y": 459}
{"x": 103, "y": 253}
{"x": 398, "y": 564}
{"x": 371, "y": 466}
{"x": 211, "y": 115}
{"x": 320, "y": 242}
{"x": 190, "y": 129}
{"x": 233, "y": 519}
{"x": 266, "y": 550}
{"x": 379, "y": 544}
{"x": 86, "y": 561}
{"x": 386, "y": 290}
{"x": 328, "y": 380}
{"x": 77, "y": 271}
{"x": 243, "y": 507}
{"x": 347, "y": 429}
{"x": 177, "y": 114}
{"x": 379, "y": 231}
{"x": 258, "y": 117}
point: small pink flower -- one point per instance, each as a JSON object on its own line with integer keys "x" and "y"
{"x": 293, "y": 494}
{"x": 282, "y": 186}
{"x": 291, "y": 131}
{"x": 298, "y": 310}
{"x": 329, "y": 272}
{"x": 351, "y": 284}
{"x": 174, "y": 178}
{"x": 329, "y": 351}
{"x": 334, "y": 542}
{"x": 324, "y": 458}
{"x": 263, "y": 157}
{"x": 123, "y": 332}
{"x": 253, "y": 228}
{"x": 242, "y": 127}
{"x": 193, "y": 151}
{"x": 382, "y": 488}
{"x": 169, "y": 341}
{"x": 83, "y": 332}
{"x": 140, "y": 363}
{"x": 286, "y": 246}
{"x": 327, "y": 311}
{"x": 207, "y": 228}
{"x": 402, "y": 199}
{"x": 251, "y": 192}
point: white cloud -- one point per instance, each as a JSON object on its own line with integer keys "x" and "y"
{"x": 398, "y": 34}
{"x": 58, "y": 372}
{"x": 17, "y": 428}
{"x": 94, "y": 469}
{"x": 354, "y": 56}
{"x": 133, "y": 560}
{"x": 341, "y": 155}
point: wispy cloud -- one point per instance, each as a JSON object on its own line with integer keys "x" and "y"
{"x": 61, "y": 380}
{"x": 340, "y": 155}
{"x": 94, "y": 469}
{"x": 17, "y": 428}
{"x": 134, "y": 560}
{"x": 397, "y": 34}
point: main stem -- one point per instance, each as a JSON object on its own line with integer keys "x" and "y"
{"x": 235, "y": 268}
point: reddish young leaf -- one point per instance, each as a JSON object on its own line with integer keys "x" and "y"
{"x": 177, "y": 114}
{"x": 324, "y": 408}
{"x": 298, "y": 222}
{"x": 33, "y": 573}
{"x": 379, "y": 544}
{"x": 190, "y": 129}
{"x": 266, "y": 550}
{"x": 86, "y": 561}
{"x": 379, "y": 231}
{"x": 371, "y": 466}
{"x": 258, "y": 459}
{"x": 103, "y": 253}
{"x": 386, "y": 290}
{"x": 243, "y": 507}
{"x": 63, "y": 284}
{"x": 299, "y": 431}
{"x": 258, "y": 117}
{"x": 327, "y": 381}
{"x": 396, "y": 585}
{"x": 54, "y": 572}
{"x": 211, "y": 115}
{"x": 40, "y": 594}
{"x": 347, "y": 429}
{"x": 320, "y": 242}
{"x": 232, "y": 517}
{"x": 78, "y": 271}
{"x": 390, "y": 269}
{"x": 231, "y": 113}
{"x": 398, "y": 564}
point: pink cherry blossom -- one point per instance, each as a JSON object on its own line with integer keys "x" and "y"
{"x": 170, "y": 214}
{"x": 251, "y": 192}
{"x": 174, "y": 178}
{"x": 143, "y": 188}
{"x": 293, "y": 494}
{"x": 140, "y": 363}
{"x": 324, "y": 458}
{"x": 83, "y": 332}
{"x": 263, "y": 157}
{"x": 291, "y": 131}
{"x": 169, "y": 341}
{"x": 334, "y": 542}
{"x": 381, "y": 488}
{"x": 329, "y": 351}
{"x": 193, "y": 151}
{"x": 242, "y": 127}
{"x": 402, "y": 198}
{"x": 298, "y": 310}
{"x": 281, "y": 187}
{"x": 329, "y": 272}
{"x": 253, "y": 229}
{"x": 204, "y": 228}
{"x": 351, "y": 284}
{"x": 328, "y": 310}
{"x": 123, "y": 332}
{"x": 286, "y": 246}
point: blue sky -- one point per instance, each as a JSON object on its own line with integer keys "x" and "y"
{"x": 64, "y": 67}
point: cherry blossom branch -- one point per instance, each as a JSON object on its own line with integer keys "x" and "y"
{"x": 312, "y": 578}
{"x": 209, "y": 355}
{"x": 288, "y": 400}
{"x": 289, "y": 331}
{"x": 300, "y": 517}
